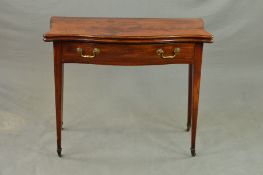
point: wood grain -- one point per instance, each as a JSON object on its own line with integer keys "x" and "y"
{"x": 195, "y": 93}
{"x": 128, "y": 30}
{"x": 129, "y": 42}
{"x": 119, "y": 54}
{"x": 58, "y": 74}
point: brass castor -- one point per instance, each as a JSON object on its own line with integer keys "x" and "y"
{"x": 59, "y": 152}
{"x": 193, "y": 152}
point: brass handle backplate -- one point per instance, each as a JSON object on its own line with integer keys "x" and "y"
{"x": 160, "y": 52}
{"x": 94, "y": 53}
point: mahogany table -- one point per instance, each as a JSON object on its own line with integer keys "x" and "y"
{"x": 129, "y": 42}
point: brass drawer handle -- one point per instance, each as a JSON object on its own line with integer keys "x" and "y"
{"x": 160, "y": 52}
{"x": 95, "y": 52}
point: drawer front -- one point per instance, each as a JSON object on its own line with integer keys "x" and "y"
{"x": 127, "y": 54}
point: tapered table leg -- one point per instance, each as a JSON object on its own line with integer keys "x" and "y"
{"x": 196, "y": 87}
{"x": 58, "y": 70}
{"x": 190, "y": 97}
{"x": 62, "y": 92}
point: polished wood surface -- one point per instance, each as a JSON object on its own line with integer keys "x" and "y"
{"x": 59, "y": 75}
{"x": 133, "y": 54}
{"x": 190, "y": 96}
{"x": 127, "y": 30}
{"x": 195, "y": 93}
{"x": 129, "y": 42}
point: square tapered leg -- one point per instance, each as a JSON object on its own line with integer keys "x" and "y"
{"x": 195, "y": 96}
{"x": 58, "y": 73}
{"x": 190, "y": 97}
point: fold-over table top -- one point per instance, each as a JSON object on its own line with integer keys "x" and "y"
{"x": 127, "y": 30}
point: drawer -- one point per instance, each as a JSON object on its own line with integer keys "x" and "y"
{"x": 127, "y": 54}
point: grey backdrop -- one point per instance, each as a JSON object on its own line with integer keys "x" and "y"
{"x": 131, "y": 120}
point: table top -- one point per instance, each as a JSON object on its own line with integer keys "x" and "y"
{"x": 140, "y": 30}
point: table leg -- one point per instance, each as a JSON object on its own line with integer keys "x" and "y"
{"x": 190, "y": 98}
{"x": 62, "y": 92}
{"x": 58, "y": 70}
{"x": 196, "y": 87}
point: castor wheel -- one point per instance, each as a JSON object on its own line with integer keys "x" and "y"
{"x": 193, "y": 152}
{"x": 59, "y": 150}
